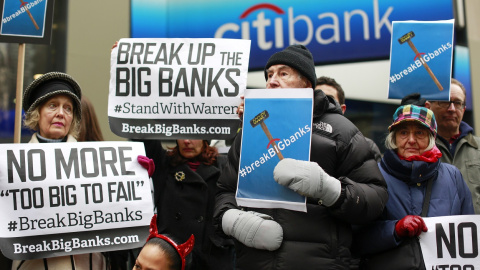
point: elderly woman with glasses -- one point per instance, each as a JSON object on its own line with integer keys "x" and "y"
{"x": 419, "y": 184}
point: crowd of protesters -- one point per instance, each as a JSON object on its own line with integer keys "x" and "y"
{"x": 362, "y": 208}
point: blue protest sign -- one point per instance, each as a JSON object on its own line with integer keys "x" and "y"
{"x": 421, "y": 59}
{"x": 277, "y": 125}
{"x": 26, "y": 21}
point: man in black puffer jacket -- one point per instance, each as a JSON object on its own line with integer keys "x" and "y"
{"x": 342, "y": 183}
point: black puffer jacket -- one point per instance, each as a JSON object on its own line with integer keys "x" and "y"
{"x": 320, "y": 238}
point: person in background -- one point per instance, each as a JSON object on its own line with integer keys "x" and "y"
{"x": 332, "y": 88}
{"x": 410, "y": 164}
{"x": 161, "y": 252}
{"x": 185, "y": 184}
{"x": 343, "y": 186}
{"x": 456, "y": 140}
{"x": 89, "y": 127}
{"x": 53, "y": 109}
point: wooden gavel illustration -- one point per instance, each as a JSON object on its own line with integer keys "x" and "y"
{"x": 29, "y": 14}
{"x": 260, "y": 119}
{"x": 408, "y": 38}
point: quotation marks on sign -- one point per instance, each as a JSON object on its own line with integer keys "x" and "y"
{"x": 4, "y": 193}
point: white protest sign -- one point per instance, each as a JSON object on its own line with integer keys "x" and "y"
{"x": 69, "y": 198}
{"x": 177, "y": 88}
{"x": 451, "y": 242}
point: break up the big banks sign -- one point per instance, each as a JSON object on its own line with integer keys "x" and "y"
{"x": 177, "y": 88}
{"x": 69, "y": 198}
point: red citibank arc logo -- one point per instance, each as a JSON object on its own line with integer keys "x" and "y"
{"x": 261, "y": 6}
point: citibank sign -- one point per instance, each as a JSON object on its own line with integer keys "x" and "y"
{"x": 335, "y": 31}
{"x": 261, "y": 25}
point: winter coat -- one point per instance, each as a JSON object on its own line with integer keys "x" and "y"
{"x": 184, "y": 201}
{"x": 466, "y": 158}
{"x": 321, "y": 237}
{"x": 374, "y": 148}
{"x": 94, "y": 261}
{"x": 407, "y": 181}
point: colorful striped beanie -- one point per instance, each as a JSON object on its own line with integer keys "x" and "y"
{"x": 422, "y": 115}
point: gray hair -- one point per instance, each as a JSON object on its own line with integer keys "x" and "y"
{"x": 303, "y": 78}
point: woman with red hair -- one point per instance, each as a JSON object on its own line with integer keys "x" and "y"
{"x": 185, "y": 183}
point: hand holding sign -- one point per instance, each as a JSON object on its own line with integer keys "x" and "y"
{"x": 309, "y": 179}
{"x": 147, "y": 163}
{"x": 410, "y": 226}
{"x": 253, "y": 229}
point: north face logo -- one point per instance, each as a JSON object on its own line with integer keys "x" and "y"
{"x": 323, "y": 126}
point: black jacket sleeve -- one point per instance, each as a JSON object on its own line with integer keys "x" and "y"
{"x": 363, "y": 183}
{"x": 227, "y": 184}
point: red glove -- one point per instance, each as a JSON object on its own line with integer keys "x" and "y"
{"x": 147, "y": 163}
{"x": 410, "y": 226}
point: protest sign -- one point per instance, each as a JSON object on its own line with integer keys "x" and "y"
{"x": 421, "y": 59}
{"x": 277, "y": 125}
{"x": 452, "y": 242}
{"x": 177, "y": 88}
{"x": 71, "y": 198}
{"x": 26, "y": 21}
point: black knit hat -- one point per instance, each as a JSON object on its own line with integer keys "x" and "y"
{"x": 297, "y": 57}
{"x": 49, "y": 85}
{"x": 414, "y": 99}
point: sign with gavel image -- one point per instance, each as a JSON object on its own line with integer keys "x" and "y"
{"x": 285, "y": 116}
{"x": 430, "y": 48}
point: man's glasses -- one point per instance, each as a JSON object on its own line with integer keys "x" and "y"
{"x": 446, "y": 104}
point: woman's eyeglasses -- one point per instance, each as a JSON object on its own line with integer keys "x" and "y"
{"x": 417, "y": 133}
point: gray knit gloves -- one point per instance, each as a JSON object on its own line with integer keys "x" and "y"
{"x": 308, "y": 179}
{"x": 253, "y": 229}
